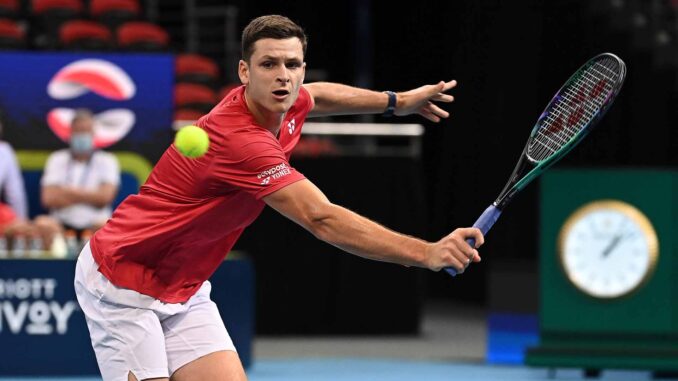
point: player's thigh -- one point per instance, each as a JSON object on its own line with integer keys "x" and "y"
{"x": 198, "y": 337}
{"x": 126, "y": 340}
{"x": 217, "y": 366}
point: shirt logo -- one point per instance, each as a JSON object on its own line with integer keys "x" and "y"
{"x": 276, "y": 172}
{"x": 291, "y": 126}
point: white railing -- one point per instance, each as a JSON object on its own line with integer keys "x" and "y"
{"x": 362, "y": 139}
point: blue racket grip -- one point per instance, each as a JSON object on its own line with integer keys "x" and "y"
{"x": 484, "y": 223}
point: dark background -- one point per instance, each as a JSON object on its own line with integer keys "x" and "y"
{"x": 509, "y": 59}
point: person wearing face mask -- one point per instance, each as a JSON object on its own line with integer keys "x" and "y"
{"x": 80, "y": 183}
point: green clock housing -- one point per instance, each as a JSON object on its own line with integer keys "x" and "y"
{"x": 608, "y": 270}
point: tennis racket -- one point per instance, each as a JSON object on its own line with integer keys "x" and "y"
{"x": 569, "y": 117}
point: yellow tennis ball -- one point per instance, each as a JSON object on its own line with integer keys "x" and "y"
{"x": 192, "y": 141}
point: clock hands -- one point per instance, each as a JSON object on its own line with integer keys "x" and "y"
{"x": 615, "y": 241}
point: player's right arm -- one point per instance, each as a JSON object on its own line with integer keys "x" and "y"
{"x": 305, "y": 204}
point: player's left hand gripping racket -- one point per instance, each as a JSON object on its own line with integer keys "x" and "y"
{"x": 569, "y": 117}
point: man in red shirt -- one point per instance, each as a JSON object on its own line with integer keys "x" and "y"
{"x": 142, "y": 280}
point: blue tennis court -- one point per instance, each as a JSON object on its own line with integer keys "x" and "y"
{"x": 348, "y": 369}
{"x": 454, "y": 344}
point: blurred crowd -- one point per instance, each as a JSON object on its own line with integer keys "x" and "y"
{"x": 77, "y": 187}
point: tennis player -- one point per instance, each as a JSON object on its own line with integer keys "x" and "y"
{"x": 142, "y": 282}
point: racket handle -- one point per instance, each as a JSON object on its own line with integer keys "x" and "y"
{"x": 484, "y": 223}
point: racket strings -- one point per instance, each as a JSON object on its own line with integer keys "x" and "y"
{"x": 573, "y": 109}
{"x": 575, "y": 106}
{"x": 571, "y": 114}
{"x": 561, "y": 109}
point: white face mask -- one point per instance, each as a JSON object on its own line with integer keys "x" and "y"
{"x": 82, "y": 142}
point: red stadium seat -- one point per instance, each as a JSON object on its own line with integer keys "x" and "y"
{"x": 9, "y": 8}
{"x": 315, "y": 146}
{"x": 11, "y": 35}
{"x": 114, "y": 13}
{"x": 49, "y": 15}
{"x": 85, "y": 35}
{"x": 43, "y": 6}
{"x": 196, "y": 68}
{"x": 142, "y": 36}
{"x": 194, "y": 96}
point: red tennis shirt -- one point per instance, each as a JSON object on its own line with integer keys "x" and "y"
{"x": 168, "y": 239}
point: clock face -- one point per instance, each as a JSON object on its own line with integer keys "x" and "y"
{"x": 608, "y": 249}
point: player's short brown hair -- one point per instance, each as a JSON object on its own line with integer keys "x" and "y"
{"x": 271, "y": 26}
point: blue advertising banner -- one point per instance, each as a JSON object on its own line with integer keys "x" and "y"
{"x": 131, "y": 96}
{"x": 43, "y": 330}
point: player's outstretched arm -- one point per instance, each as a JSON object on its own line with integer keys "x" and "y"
{"x": 305, "y": 204}
{"x": 337, "y": 99}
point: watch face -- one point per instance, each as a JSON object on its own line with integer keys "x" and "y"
{"x": 608, "y": 249}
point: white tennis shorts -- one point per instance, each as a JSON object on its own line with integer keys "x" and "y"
{"x": 132, "y": 332}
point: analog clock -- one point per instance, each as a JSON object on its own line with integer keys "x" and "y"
{"x": 608, "y": 249}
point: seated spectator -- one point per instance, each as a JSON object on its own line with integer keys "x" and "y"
{"x": 80, "y": 183}
{"x": 14, "y": 220}
{"x": 12, "y": 188}
{"x": 13, "y": 200}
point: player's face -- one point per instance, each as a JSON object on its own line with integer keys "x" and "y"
{"x": 274, "y": 74}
